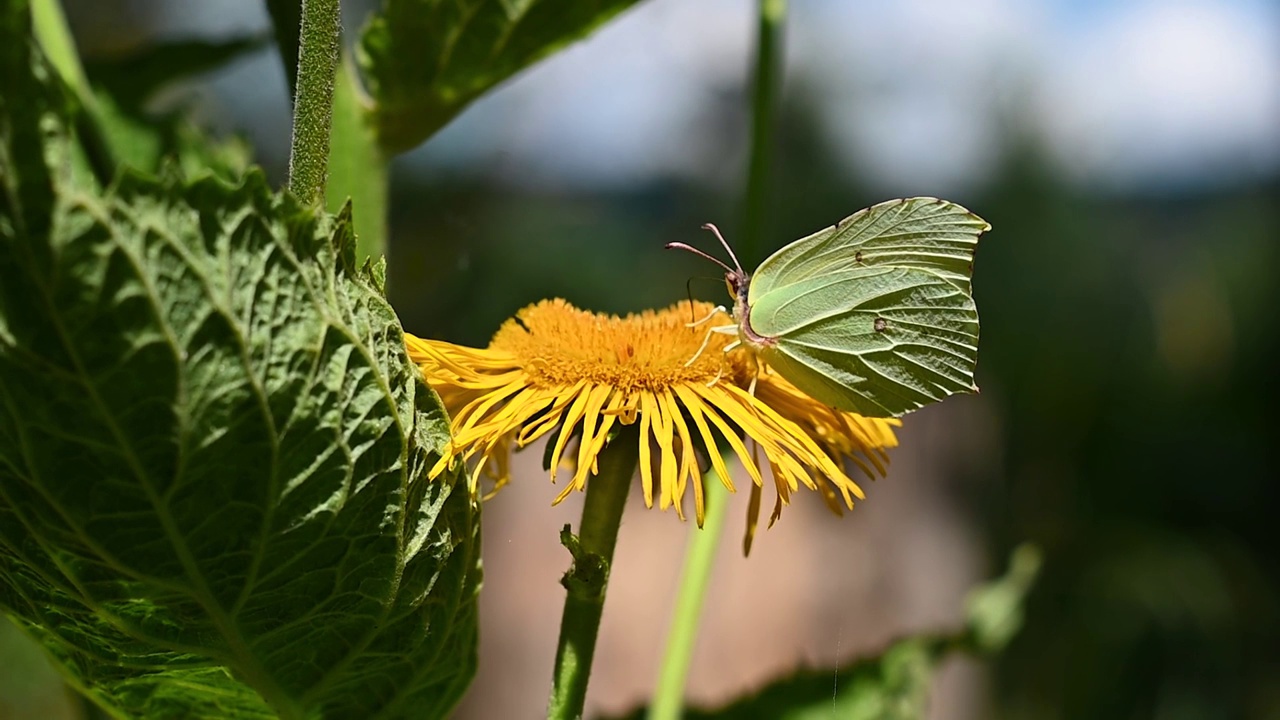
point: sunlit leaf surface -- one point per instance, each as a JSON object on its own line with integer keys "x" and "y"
{"x": 212, "y": 447}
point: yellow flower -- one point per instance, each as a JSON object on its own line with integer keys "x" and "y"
{"x": 557, "y": 369}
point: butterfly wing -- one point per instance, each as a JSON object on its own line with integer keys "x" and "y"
{"x": 879, "y": 341}
{"x": 922, "y": 232}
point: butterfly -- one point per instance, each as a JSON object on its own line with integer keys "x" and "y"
{"x": 874, "y": 315}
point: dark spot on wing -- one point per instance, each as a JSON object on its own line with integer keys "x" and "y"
{"x": 880, "y": 324}
{"x": 857, "y": 257}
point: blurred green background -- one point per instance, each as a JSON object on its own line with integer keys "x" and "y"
{"x": 1127, "y": 155}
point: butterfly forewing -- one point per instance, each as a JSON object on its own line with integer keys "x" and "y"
{"x": 925, "y": 233}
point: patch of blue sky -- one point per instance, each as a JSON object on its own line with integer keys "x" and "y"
{"x": 917, "y": 96}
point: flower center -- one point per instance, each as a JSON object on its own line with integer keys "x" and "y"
{"x": 558, "y": 345}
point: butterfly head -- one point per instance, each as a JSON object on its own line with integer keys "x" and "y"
{"x": 735, "y": 277}
{"x": 737, "y": 281}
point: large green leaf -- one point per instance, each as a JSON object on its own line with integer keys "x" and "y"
{"x": 425, "y": 60}
{"x": 212, "y": 446}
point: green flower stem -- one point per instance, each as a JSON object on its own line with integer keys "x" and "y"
{"x": 669, "y": 695}
{"x": 768, "y": 76}
{"x": 668, "y": 698}
{"x": 588, "y": 578}
{"x": 358, "y": 166}
{"x": 319, "y": 44}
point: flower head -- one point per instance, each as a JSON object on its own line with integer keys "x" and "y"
{"x": 554, "y": 369}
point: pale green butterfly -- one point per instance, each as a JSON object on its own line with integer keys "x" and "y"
{"x": 873, "y": 315}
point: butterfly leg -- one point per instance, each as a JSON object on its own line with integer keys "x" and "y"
{"x": 727, "y": 348}
{"x": 716, "y": 379}
{"x": 751, "y": 389}
{"x": 722, "y": 329}
{"x": 717, "y": 310}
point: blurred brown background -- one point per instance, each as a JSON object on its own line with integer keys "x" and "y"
{"x": 1127, "y": 154}
{"x": 816, "y": 589}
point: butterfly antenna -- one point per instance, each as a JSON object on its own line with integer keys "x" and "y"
{"x": 716, "y": 230}
{"x": 699, "y": 253}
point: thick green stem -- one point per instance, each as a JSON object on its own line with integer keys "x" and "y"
{"x": 319, "y": 43}
{"x": 767, "y": 78}
{"x": 588, "y": 579}
{"x": 358, "y": 166}
{"x": 668, "y": 697}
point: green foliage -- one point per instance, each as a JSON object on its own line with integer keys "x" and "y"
{"x": 894, "y": 685}
{"x": 1147, "y": 480}
{"x": 212, "y": 445}
{"x": 149, "y": 143}
{"x": 425, "y": 60}
{"x": 112, "y": 123}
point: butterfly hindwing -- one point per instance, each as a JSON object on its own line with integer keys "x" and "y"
{"x": 879, "y": 341}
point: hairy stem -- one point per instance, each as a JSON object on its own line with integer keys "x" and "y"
{"x": 319, "y": 42}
